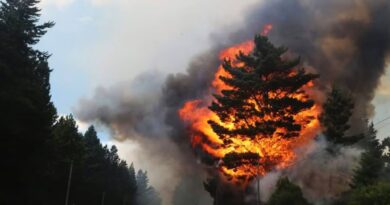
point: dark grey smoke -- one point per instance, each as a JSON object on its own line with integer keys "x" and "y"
{"x": 346, "y": 41}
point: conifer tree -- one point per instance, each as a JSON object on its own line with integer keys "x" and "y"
{"x": 133, "y": 177}
{"x": 94, "y": 173}
{"x": 37, "y": 148}
{"x": 287, "y": 193}
{"x": 69, "y": 151}
{"x": 261, "y": 99}
{"x": 335, "y": 117}
{"x": 131, "y": 197}
{"x": 25, "y": 105}
{"x": 372, "y": 161}
{"x": 146, "y": 195}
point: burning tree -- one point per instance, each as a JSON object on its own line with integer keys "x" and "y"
{"x": 263, "y": 101}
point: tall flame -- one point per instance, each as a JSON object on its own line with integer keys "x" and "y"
{"x": 276, "y": 151}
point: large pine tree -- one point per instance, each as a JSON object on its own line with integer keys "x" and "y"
{"x": 261, "y": 99}
{"x": 25, "y": 105}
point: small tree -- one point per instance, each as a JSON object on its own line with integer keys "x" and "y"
{"x": 287, "y": 193}
{"x": 372, "y": 162}
{"x": 337, "y": 110}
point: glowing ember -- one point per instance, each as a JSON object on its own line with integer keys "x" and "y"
{"x": 275, "y": 151}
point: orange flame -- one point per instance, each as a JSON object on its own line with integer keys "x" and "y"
{"x": 277, "y": 151}
{"x": 266, "y": 29}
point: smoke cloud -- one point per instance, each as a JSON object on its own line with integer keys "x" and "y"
{"x": 139, "y": 117}
{"x": 322, "y": 175}
{"x": 346, "y": 42}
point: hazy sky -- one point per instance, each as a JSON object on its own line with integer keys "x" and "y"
{"x": 104, "y": 42}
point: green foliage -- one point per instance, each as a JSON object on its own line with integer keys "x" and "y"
{"x": 69, "y": 148}
{"x": 337, "y": 111}
{"x": 261, "y": 97}
{"x": 372, "y": 164}
{"x": 376, "y": 194}
{"x": 287, "y": 193}
{"x": 25, "y": 105}
{"x": 68, "y": 141}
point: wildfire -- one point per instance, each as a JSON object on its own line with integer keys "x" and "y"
{"x": 275, "y": 151}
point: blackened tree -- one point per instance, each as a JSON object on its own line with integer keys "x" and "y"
{"x": 261, "y": 100}
{"x": 25, "y": 104}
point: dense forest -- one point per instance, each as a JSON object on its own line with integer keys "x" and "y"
{"x": 46, "y": 160}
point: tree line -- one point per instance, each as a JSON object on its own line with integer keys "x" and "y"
{"x": 45, "y": 159}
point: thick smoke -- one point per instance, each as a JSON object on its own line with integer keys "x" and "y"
{"x": 346, "y": 42}
{"x": 322, "y": 175}
{"x": 136, "y": 112}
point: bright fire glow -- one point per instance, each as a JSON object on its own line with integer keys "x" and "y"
{"x": 275, "y": 151}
